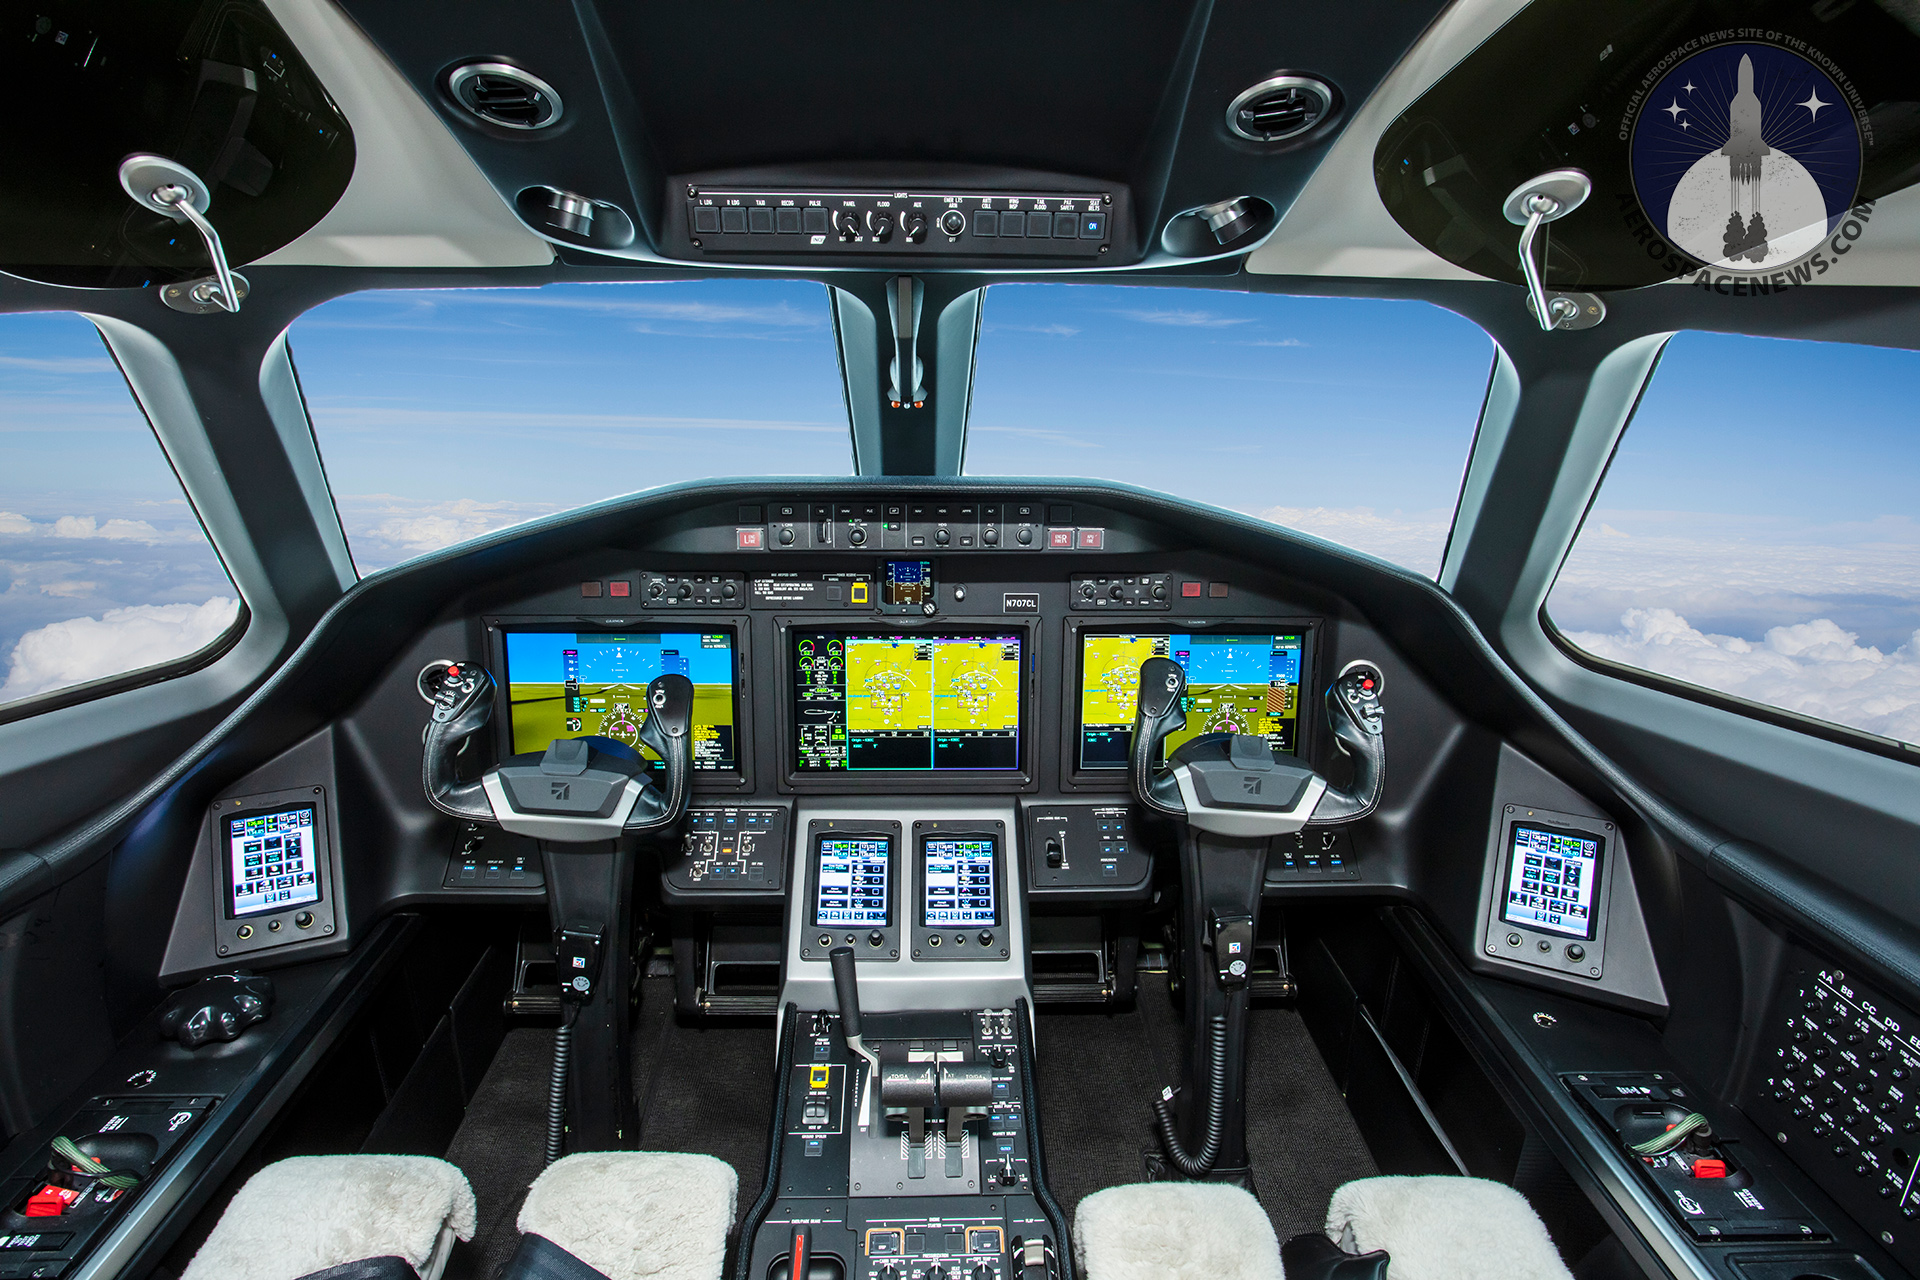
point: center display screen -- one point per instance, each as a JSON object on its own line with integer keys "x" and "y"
{"x": 958, "y": 884}
{"x": 1553, "y": 881}
{"x": 272, "y": 860}
{"x": 1236, "y": 683}
{"x": 906, "y": 702}
{"x": 577, "y": 684}
{"x": 851, "y": 888}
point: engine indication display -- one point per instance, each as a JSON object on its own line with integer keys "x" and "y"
{"x": 958, "y": 884}
{"x": 1236, "y": 683}
{"x": 851, "y": 887}
{"x": 906, "y": 702}
{"x": 1553, "y": 878}
{"x": 576, "y": 684}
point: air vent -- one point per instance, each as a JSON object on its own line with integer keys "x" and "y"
{"x": 1280, "y": 107}
{"x": 504, "y": 95}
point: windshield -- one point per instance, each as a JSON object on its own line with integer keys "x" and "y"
{"x": 444, "y": 414}
{"x": 1350, "y": 418}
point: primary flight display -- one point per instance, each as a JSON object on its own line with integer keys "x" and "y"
{"x": 1236, "y": 683}
{"x": 905, "y": 702}
{"x": 576, "y": 684}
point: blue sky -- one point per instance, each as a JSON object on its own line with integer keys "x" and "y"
{"x": 1755, "y": 533}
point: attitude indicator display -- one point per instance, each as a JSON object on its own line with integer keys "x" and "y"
{"x": 906, "y": 702}
{"x": 577, "y": 684}
{"x": 1236, "y": 683}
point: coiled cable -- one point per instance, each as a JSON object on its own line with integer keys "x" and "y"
{"x": 1199, "y": 1166}
{"x": 557, "y": 1089}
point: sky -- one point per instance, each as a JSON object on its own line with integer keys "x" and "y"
{"x": 1755, "y": 533}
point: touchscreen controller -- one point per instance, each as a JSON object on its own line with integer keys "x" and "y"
{"x": 1552, "y": 877}
{"x": 272, "y": 860}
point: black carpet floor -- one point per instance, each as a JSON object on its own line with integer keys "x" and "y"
{"x": 1098, "y": 1073}
{"x": 705, "y": 1089}
{"x": 709, "y": 1089}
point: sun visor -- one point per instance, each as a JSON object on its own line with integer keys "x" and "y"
{"x": 1752, "y": 150}
{"x": 216, "y": 87}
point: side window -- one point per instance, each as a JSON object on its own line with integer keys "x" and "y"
{"x": 1755, "y": 535}
{"x": 108, "y": 571}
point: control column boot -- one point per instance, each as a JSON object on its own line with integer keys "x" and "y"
{"x": 589, "y": 897}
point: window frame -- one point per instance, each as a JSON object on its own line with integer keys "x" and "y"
{"x": 158, "y": 673}
{"x": 1779, "y": 717}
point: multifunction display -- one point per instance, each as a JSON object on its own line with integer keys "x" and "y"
{"x": 958, "y": 888}
{"x": 1236, "y": 683}
{"x": 851, "y": 886}
{"x": 1553, "y": 878}
{"x": 576, "y": 684}
{"x": 906, "y": 702}
{"x": 272, "y": 860}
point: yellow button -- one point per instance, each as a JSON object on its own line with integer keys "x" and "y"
{"x": 817, "y": 1077}
{"x": 859, "y": 593}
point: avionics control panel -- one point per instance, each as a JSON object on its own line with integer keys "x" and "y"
{"x": 731, "y": 847}
{"x": 1837, "y": 1083}
{"x": 888, "y": 221}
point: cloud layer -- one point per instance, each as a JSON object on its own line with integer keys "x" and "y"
{"x": 77, "y": 650}
{"x": 1814, "y": 668}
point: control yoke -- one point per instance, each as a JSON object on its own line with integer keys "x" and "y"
{"x": 1232, "y": 784}
{"x": 1233, "y": 796}
{"x": 583, "y": 800}
{"x": 580, "y": 790}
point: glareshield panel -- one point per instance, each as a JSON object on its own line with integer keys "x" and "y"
{"x": 107, "y": 568}
{"x": 1755, "y": 532}
{"x": 445, "y": 414}
{"x": 1349, "y": 418}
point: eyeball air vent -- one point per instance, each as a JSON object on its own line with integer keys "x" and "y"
{"x": 1280, "y": 107}
{"x": 505, "y": 95}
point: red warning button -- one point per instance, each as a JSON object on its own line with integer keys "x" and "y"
{"x": 1192, "y": 588}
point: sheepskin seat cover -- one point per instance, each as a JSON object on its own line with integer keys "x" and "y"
{"x": 309, "y": 1213}
{"x": 1445, "y": 1229}
{"x": 1174, "y": 1231}
{"x": 633, "y": 1214}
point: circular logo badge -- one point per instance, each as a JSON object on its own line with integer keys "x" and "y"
{"x": 1746, "y": 156}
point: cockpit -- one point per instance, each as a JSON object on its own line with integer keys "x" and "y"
{"x": 1194, "y": 641}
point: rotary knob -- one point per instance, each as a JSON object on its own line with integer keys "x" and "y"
{"x": 941, "y": 537}
{"x": 685, "y": 592}
{"x": 953, "y": 222}
{"x": 858, "y": 537}
{"x": 913, "y": 226}
{"x": 880, "y": 226}
{"x": 847, "y": 224}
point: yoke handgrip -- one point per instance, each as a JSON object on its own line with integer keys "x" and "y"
{"x": 1162, "y": 711}
{"x": 846, "y": 989}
